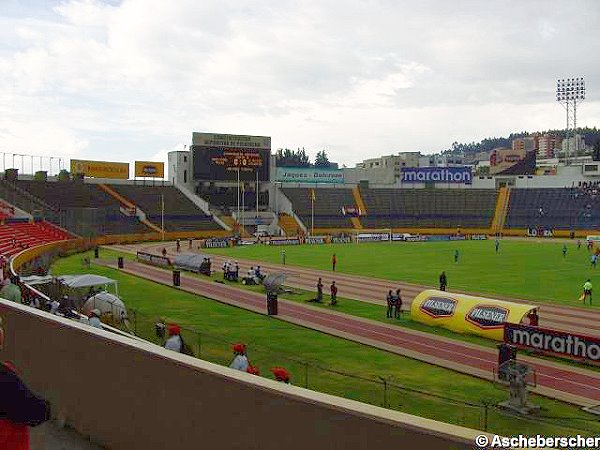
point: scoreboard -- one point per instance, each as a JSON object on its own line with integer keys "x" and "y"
{"x": 232, "y": 153}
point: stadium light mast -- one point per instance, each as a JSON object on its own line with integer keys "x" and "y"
{"x": 569, "y": 92}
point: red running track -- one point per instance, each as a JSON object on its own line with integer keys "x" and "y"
{"x": 573, "y": 381}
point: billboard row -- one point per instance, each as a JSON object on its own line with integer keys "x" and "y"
{"x": 309, "y": 175}
{"x": 100, "y": 169}
{"x": 149, "y": 169}
{"x": 437, "y": 175}
{"x": 466, "y": 313}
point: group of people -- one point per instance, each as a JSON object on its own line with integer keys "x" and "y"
{"x": 394, "y": 304}
{"x": 231, "y": 271}
{"x": 333, "y": 291}
{"x": 240, "y": 362}
{"x": 591, "y": 188}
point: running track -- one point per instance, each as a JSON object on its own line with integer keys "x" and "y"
{"x": 373, "y": 290}
{"x": 560, "y": 381}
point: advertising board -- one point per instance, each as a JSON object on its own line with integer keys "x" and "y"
{"x": 100, "y": 169}
{"x": 437, "y": 175}
{"x": 553, "y": 342}
{"x": 149, "y": 169}
{"x": 309, "y": 175}
{"x": 466, "y": 313}
{"x": 540, "y": 232}
{"x": 372, "y": 237}
{"x": 155, "y": 260}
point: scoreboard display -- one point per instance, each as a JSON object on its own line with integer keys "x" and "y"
{"x": 222, "y": 163}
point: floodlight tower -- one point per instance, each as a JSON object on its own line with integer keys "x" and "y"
{"x": 569, "y": 92}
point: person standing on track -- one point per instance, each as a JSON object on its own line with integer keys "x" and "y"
{"x": 333, "y": 262}
{"x": 587, "y": 291}
{"x": 178, "y": 245}
{"x": 497, "y": 244}
{"x": 333, "y": 292}
{"x": 390, "y": 305}
{"x": 443, "y": 281}
{"x": 397, "y": 304}
{"x": 319, "y": 298}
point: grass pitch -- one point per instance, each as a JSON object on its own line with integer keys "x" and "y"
{"x": 532, "y": 270}
{"x": 273, "y": 342}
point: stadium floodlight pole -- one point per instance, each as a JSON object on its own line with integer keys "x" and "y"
{"x": 569, "y": 92}
{"x": 162, "y": 216}
{"x": 238, "y": 198}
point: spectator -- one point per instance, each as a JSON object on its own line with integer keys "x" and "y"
{"x": 319, "y": 298}
{"x": 159, "y": 329}
{"x": 174, "y": 342}
{"x": 19, "y": 409}
{"x": 281, "y": 374}
{"x": 94, "y": 318}
{"x": 240, "y": 360}
{"x": 54, "y": 306}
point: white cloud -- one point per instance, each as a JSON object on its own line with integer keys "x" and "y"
{"x": 125, "y": 80}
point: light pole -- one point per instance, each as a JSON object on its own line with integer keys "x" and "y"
{"x": 570, "y": 91}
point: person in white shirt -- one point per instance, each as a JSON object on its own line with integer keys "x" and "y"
{"x": 240, "y": 360}
{"x": 174, "y": 342}
{"x": 94, "y": 319}
{"x": 54, "y": 305}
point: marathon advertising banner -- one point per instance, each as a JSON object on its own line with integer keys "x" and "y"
{"x": 466, "y": 313}
{"x": 407, "y": 237}
{"x": 372, "y": 237}
{"x": 215, "y": 243}
{"x": 315, "y": 240}
{"x": 457, "y": 237}
{"x": 478, "y": 237}
{"x": 461, "y": 175}
{"x": 284, "y": 241}
{"x": 553, "y": 342}
{"x": 341, "y": 240}
{"x": 155, "y": 260}
{"x": 539, "y": 232}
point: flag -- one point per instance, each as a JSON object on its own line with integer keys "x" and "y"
{"x": 313, "y": 197}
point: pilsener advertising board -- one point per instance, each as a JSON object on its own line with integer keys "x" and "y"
{"x": 466, "y": 313}
{"x": 224, "y": 157}
{"x": 149, "y": 169}
{"x": 100, "y": 169}
{"x": 437, "y": 175}
{"x": 309, "y": 175}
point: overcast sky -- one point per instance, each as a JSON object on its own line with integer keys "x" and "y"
{"x": 127, "y": 80}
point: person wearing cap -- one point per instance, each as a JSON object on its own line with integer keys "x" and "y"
{"x": 240, "y": 360}
{"x": 281, "y": 374}
{"x": 94, "y": 318}
{"x": 174, "y": 342}
{"x": 19, "y": 409}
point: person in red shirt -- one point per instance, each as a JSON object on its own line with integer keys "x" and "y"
{"x": 333, "y": 290}
{"x": 333, "y": 262}
{"x": 19, "y": 409}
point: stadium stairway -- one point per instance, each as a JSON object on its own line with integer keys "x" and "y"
{"x": 288, "y": 224}
{"x": 230, "y": 222}
{"x": 501, "y": 211}
{"x": 129, "y": 207}
{"x": 360, "y": 204}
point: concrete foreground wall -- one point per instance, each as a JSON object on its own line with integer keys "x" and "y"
{"x": 127, "y": 394}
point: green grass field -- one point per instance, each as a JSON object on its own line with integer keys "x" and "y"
{"x": 534, "y": 270}
{"x": 273, "y": 342}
